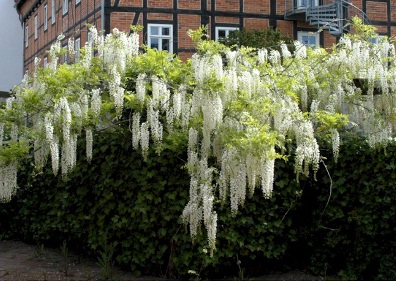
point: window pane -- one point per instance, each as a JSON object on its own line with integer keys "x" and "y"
{"x": 165, "y": 31}
{"x": 312, "y": 41}
{"x": 165, "y": 44}
{"x": 154, "y": 43}
{"x": 305, "y": 39}
{"x": 154, "y": 30}
{"x": 222, "y": 33}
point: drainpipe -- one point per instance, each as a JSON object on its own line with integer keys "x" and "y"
{"x": 103, "y": 15}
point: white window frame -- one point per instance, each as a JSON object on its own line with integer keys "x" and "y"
{"x": 45, "y": 17}
{"x": 302, "y": 4}
{"x": 78, "y": 1}
{"x": 378, "y": 39}
{"x": 35, "y": 26}
{"x": 77, "y": 46}
{"x": 65, "y": 7}
{"x": 90, "y": 42}
{"x": 300, "y": 34}
{"x": 65, "y": 55}
{"x": 53, "y": 11}
{"x": 26, "y": 36}
{"x": 45, "y": 62}
{"x": 160, "y": 36}
{"x": 227, "y": 30}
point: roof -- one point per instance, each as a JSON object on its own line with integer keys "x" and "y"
{"x": 19, "y": 3}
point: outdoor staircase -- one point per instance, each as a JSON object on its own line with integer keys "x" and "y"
{"x": 333, "y": 16}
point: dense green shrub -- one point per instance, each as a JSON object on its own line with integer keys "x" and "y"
{"x": 353, "y": 237}
{"x": 131, "y": 209}
{"x": 258, "y": 38}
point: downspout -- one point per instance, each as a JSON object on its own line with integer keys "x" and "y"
{"x": 103, "y": 15}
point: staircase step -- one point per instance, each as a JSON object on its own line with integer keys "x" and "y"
{"x": 323, "y": 22}
{"x": 321, "y": 16}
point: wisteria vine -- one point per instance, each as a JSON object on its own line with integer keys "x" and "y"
{"x": 243, "y": 108}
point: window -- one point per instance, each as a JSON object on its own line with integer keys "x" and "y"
{"x": 45, "y": 17}
{"x": 160, "y": 37}
{"x": 309, "y": 39}
{"x": 65, "y": 6}
{"x": 90, "y": 43}
{"x": 89, "y": 38}
{"x": 77, "y": 49}
{"x": 378, "y": 39}
{"x": 45, "y": 62}
{"x": 26, "y": 36}
{"x": 224, "y": 32}
{"x": 307, "y": 3}
{"x": 78, "y": 1}
{"x": 53, "y": 11}
{"x": 64, "y": 56}
{"x": 35, "y": 27}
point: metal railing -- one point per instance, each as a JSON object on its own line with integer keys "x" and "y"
{"x": 332, "y": 15}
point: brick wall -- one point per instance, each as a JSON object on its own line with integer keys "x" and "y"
{"x": 159, "y": 3}
{"x": 131, "y": 3}
{"x": 226, "y": 13}
{"x": 227, "y": 5}
{"x": 251, "y": 23}
{"x": 72, "y": 24}
{"x": 286, "y": 27}
{"x": 257, "y": 6}
{"x": 377, "y": 10}
{"x": 227, "y": 20}
{"x": 121, "y": 20}
{"x": 189, "y": 4}
{"x": 186, "y": 22}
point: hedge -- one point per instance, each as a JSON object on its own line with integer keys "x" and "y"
{"x": 121, "y": 206}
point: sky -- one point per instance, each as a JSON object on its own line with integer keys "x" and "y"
{"x": 11, "y": 46}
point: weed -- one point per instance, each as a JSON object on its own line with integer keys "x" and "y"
{"x": 39, "y": 251}
{"x": 105, "y": 261}
{"x": 241, "y": 270}
{"x": 65, "y": 255}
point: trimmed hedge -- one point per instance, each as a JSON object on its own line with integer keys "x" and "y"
{"x": 130, "y": 209}
{"x": 355, "y": 237}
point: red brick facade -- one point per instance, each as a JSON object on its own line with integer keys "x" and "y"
{"x": 181, "y": 14}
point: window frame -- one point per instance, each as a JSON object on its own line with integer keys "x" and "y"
{"x": 160, "y": 36}
{"x": 45, "y": 62}
{"x": 45, "y": 17}
{"x": 90, "y": 42}
{"x": 78, "y": 2}
{"x": 53, "y": 11}
{"x": 302, "y": 33}
{"x": 65, "y": 56}
{"x": 35, "y": 27}
{"x": 301, "y": 5}
{"x": 227, "y": 29}
{"x": 378, "y": 39}
{"x": 26, "y": 36}
{"x": 77, "y": 46}
{"x": 65, "y": 7}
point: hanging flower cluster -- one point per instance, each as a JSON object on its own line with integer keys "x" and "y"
{"x": 237, "y": 109}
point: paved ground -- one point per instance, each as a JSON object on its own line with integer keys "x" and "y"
{"x": 19, "y": 261}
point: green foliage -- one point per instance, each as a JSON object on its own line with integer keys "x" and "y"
{"x": 127, "y": 211}
{"x": 120, "y": 209}
{"x": 258, "y": 38}
{"x": 353, "y": 236}
{"x": 201, "y": 42}
{"x": 130, "y": 207}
